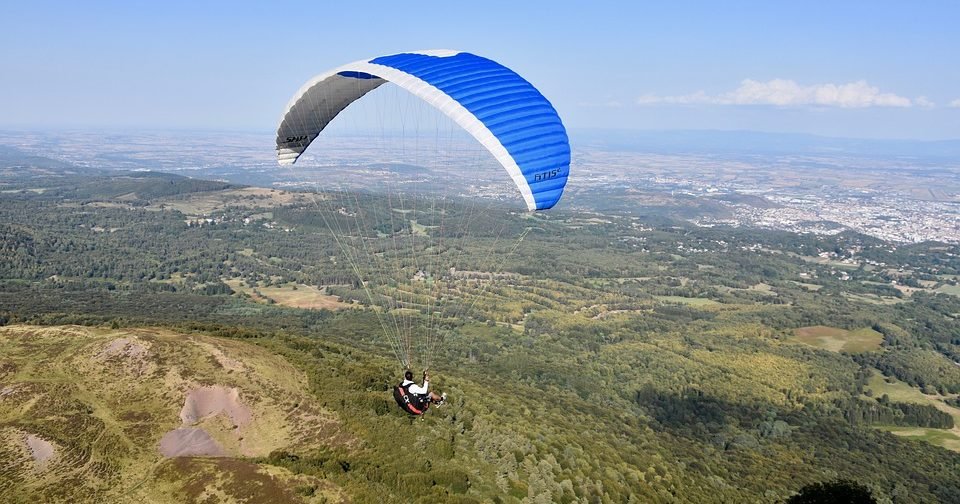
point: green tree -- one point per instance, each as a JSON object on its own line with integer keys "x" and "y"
{"x": 839, "y": 491}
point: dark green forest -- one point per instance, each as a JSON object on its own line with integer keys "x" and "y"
{"x": 626, "y": 357}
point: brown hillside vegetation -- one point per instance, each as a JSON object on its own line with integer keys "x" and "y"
{"x": 111, "y": 413}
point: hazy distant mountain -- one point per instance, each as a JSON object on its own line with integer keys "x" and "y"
{"x": 16, "y": 160}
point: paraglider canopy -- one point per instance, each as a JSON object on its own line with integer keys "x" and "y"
{"x": 505, "y": 113}
{"x": 423, "y": 252}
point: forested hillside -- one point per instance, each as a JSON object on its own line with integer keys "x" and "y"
{"x": 611, "y": 358}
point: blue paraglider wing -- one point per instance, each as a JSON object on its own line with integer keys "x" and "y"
{"x": 503, "y": 111}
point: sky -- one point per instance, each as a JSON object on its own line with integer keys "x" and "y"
{"x": 858, "y": 69}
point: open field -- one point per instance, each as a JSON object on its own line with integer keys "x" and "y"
{"x": 839, "y": 340}
{"x": 898, "y": 391}
{"x": 873, "y": 299}
{"x": 953, "y": 290}
{"x": 687, "y": 300}
{"x": 204, "y": 203}
{"x": 907, "y": 290}
{"x": 418, "y": 229}
{"x": 808, "y": 286}
{"x": 829, "y": 262}
{"x": 940, "y": 437}
{"x": 292, "y": 295}
{"x": 760, "y": 288}
{"x": 303, "y": 296}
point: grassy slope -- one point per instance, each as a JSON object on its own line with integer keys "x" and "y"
{"x": 105, "y": 411}
{"x": 901, "y": 392}
{"x": 573, "y": 440}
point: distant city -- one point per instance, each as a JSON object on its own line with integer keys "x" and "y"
{"x": 898, "y": 198}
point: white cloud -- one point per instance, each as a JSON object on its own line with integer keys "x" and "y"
{"x": 787, "y": 93}
{"x": 955, "y": 103}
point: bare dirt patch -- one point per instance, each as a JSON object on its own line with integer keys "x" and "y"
{"x": 211, "y": 401}
{"x": 124, "y": 347}
{"x": 8, "y": 390}
{"x": 190, "y": 442}
{"x": 40, "y": 449}
{"x": 133, "y": 353}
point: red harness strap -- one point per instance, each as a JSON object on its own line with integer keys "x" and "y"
{"x": 408, "y": 403}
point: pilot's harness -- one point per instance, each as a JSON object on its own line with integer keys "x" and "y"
{"x": 402, "y": 396}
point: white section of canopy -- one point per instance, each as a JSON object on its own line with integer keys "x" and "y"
{"x": 324, "y": 96}
{"x": 313, "y": 107}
